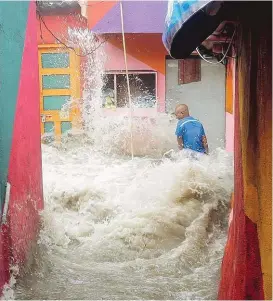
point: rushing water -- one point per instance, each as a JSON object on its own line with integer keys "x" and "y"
{"x": 115, "y": 228}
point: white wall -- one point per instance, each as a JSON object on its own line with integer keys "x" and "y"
{"x": 206, "y": 99}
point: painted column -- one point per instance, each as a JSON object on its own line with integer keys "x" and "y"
{"x": 20, "y": 145}
{"x": 247, "y": 263}
{"x": 12, "y": 36}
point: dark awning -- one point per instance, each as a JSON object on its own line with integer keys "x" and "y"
{"x": 189, "y": 23}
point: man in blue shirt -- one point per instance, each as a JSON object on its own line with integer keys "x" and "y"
{"x": 189, "y": 131}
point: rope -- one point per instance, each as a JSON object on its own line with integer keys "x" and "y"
{"x": 127, "y": 77}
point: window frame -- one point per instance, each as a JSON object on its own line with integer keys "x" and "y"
{"x": 132, "y": 72}
{"x": 74, "y": 90}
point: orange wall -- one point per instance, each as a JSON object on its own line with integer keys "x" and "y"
{"x": 229, "y": 87}
{"x": 147, "y": 48}
{"x": 59, "y": 26}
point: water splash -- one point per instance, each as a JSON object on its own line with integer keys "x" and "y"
{"x": 151, "y": 136}
{"x": 91, "y": 47}
{"x": 8, "y": 292}
{"x": 114, "y": 228}
{"x": 134, "y": 229}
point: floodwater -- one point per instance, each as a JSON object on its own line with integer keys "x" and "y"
{"x": 115, "y": 228}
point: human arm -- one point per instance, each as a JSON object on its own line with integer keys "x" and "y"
{"x": 179, "y": 136}
{"x": 205, "y": 144}
{"x": 205, "y": 141}
{"x": 180, "y": 142}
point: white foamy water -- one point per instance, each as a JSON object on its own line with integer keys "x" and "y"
{"x": 119, "y": 229}
{"x": 115, "y": 228}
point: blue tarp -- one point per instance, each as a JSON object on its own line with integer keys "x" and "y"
{"x": 179, "y": 12}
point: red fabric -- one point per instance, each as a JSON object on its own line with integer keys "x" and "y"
{"x": 241, "y": 274}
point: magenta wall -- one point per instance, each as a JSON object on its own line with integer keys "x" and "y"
{"x": 25, "y": 167}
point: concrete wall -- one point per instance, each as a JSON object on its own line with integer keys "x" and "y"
{"x": 13, "y": 34}
{"x": 19, "y": 60}
{"x": 206, "y": 99}
{"x": 25, "y": 166}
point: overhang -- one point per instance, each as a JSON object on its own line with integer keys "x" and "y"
{"x": 189, "y": 23}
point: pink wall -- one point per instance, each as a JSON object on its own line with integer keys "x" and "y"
{"x": 25, "y": 168}
{"x": 4, "y": 256}
{"x": 115, "y": 62}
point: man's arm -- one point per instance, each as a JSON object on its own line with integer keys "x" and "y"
{"x": 205, "y": 144}
{"x": 179, "y": 135}
{"x": 180, "y": 142}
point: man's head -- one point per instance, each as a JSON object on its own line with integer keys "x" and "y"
{"x": 181, "y": 111}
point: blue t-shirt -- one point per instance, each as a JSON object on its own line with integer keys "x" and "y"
{"x": 191, "y": 130}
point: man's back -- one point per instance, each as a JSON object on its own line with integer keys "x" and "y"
{"x": 192, "y": 133}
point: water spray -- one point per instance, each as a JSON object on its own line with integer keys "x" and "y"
{"x": 127, "y": 78}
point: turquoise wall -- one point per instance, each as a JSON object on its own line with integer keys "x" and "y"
{"x": 13, "y": 19}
